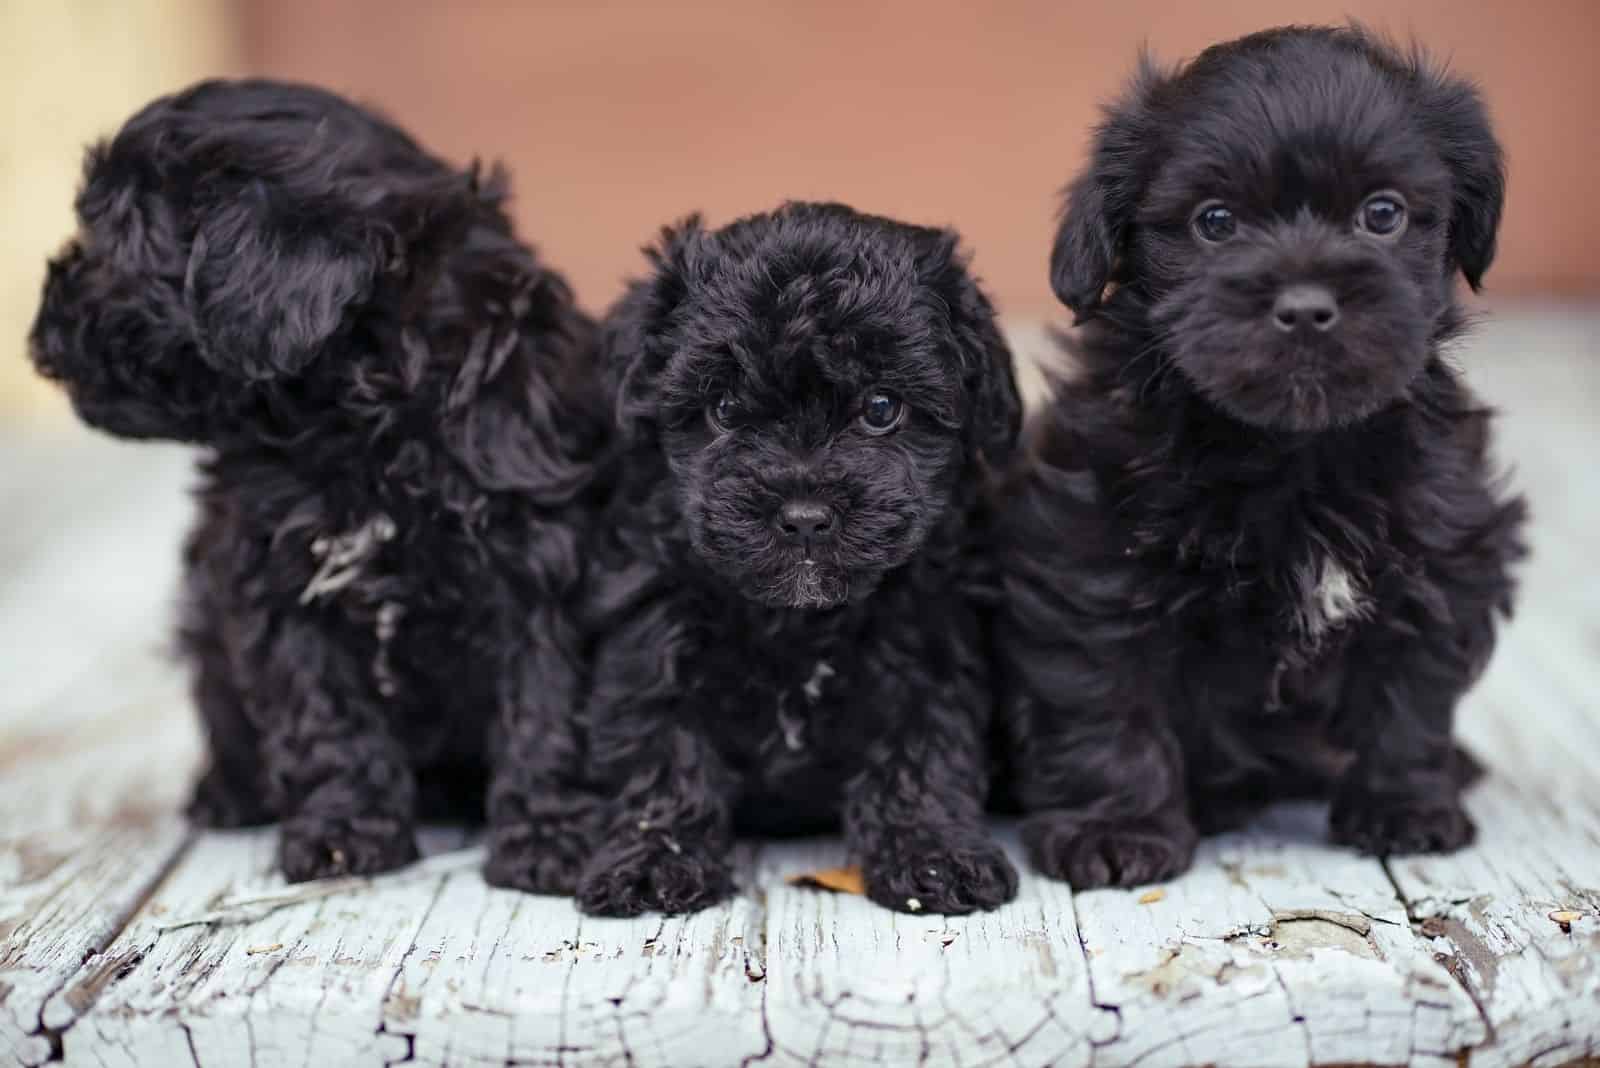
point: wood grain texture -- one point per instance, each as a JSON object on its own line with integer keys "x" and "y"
{"x": 851, "y": 983}
{"x": 125, "y": 940}
{"x": 96, "y": 745}
{"x": 1275, "y": 949}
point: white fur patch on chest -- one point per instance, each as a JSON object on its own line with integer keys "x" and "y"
{"x": 820, "y": 674}
{"x": 1329, "y": 596}
{"x": 792, "y": 722}
{"x": 342, "y": 556}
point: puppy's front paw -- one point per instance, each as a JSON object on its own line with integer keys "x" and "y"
{"x": 1388, "y": 827}
{"x": 1090, "y": 854}
{"x": 319, "y": 847}
{"x": 541, "y": 859}
{"x": 654, "y": 875}
{"x": 952, "y": 877}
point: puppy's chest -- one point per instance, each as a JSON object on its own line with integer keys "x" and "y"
{"x": 791, "y": 711}
{"x": 1323, "y": 596}
{"x": 1289, "y": 619}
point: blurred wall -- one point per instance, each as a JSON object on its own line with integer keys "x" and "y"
{"x": 618, "y": 116}
{"x": 73, "y": 71}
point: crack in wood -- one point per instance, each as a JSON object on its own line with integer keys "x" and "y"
{"x": 1451, "y": 962}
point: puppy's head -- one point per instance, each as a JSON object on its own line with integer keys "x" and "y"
{"x": 231, "y": 230}
{"x": 1291, "y": 208}
{"x": 824, "y": 385}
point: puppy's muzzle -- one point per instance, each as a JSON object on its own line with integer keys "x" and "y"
{"x": 1305, "y": 308}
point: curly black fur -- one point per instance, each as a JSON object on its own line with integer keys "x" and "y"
{"x": 752, "y": 677}
{"x": 401, "y": 422}
{"x": 1256, "y": 559}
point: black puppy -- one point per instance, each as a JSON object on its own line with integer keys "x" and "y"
{"x": 1260, "y": 551}
{"x": 400, "y": 429}
{"x": 792, "y": 614}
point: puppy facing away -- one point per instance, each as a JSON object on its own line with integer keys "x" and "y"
{"x": 399, "y": 433}
{"x": 793, "y": 592}
{"x": 1259, "y": 551}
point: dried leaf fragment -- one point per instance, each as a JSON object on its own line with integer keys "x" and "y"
{"x": 838, "y": 880}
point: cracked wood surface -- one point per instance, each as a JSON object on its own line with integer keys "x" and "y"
{"x": 127, "y": 940}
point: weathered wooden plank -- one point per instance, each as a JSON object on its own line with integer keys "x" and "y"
{"x": 96, "y": 743}
{"x": 1276, "y": 949}
{"x": 1536, "y": 714}
{"x": 81, "y": 843}
{"x": 851, "y": 983}
{"x": 225, "y": 965}
{"x": 1516, "y": 919}
{"x": 87, "y": 586}
{"x": 77, "y": 485}
{"x": 499, "y": 976}
{"x": 58, "y": 907}
{"x": 1534, "y": 721}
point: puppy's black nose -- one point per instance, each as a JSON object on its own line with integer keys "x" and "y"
{"x": 805, "y": 520}
{"x": 1305, "y": 306}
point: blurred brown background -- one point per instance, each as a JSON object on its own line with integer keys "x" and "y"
{"x": 619, "y": 116}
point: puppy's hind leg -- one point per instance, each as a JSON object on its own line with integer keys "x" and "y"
{"x": 341, "y": 781}
{"x": 1407, "y": 671}
{"x": 231, "y": 792}
{"x": 669, "y": 832}
{"x": 1403, "y": 792}
{"x": 1104, "y": 791}
{"x": 543, "y": 820}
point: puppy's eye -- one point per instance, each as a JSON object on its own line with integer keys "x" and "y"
{"x": 722, "y": 413}
{"x": 1213, "y": 222}
{"x": 1382, "y": 215}
{"x": 881, "y": 412}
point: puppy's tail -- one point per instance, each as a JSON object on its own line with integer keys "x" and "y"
{"x": 227, "y": 235}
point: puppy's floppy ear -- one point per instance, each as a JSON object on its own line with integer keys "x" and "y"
{"x": 1458, "y": 124}
{"x": 276, "y": 270}
{"x": 634, "y": 352}
{"x": 995, "y": 415}
{"x": 510, "y": 417}
{"x": 287, "y": 203}
{"x": 1099, "y": 203}
{"x": 1086, "y": 244}
{"x": 269, "y": 286}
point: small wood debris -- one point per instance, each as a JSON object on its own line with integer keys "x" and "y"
{"x": 1565, "y": 918}
{"x": 838, "y": 880}
{"x": 256, "y": 951}
{"x": 1150, "y": 897}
